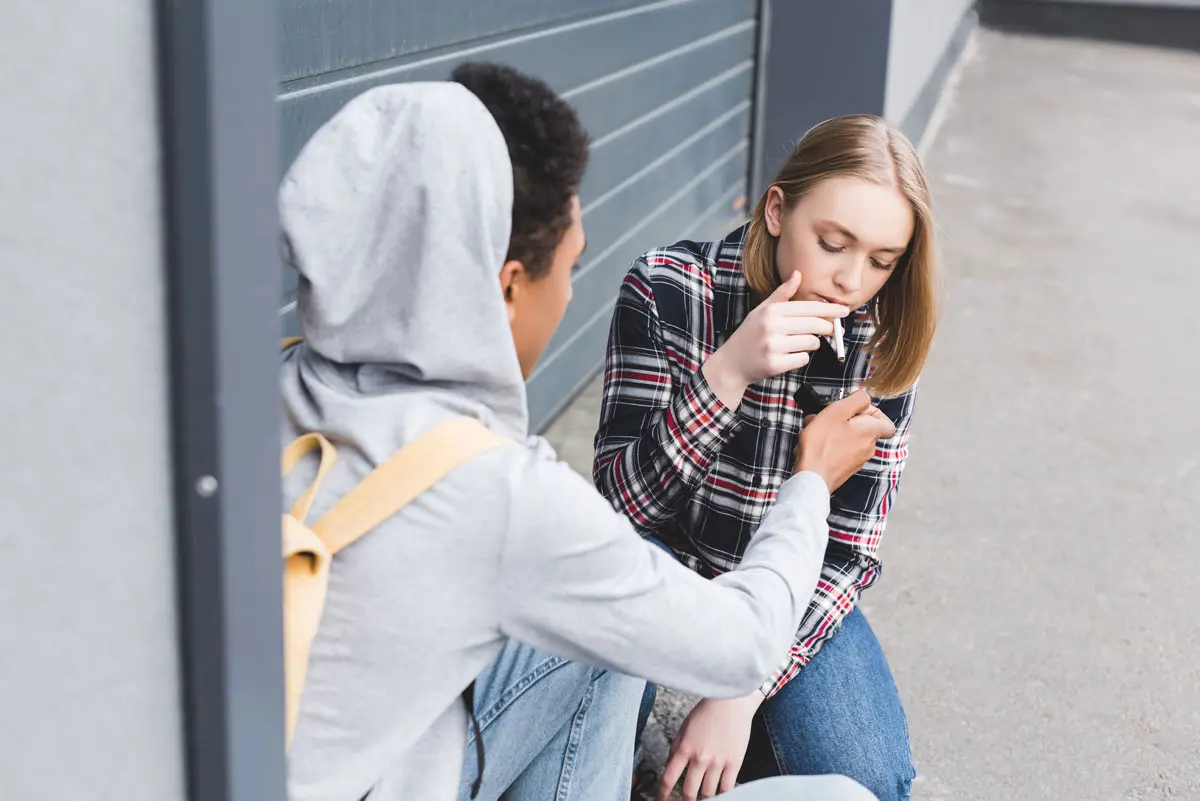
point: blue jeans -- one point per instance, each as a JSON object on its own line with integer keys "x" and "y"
{"x": 840, "y": 715}
{"x": 553, "y": 730}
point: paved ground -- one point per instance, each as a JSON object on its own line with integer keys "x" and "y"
{"x": 1041, "y": 603}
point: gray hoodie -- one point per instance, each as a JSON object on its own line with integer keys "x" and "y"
{"x": 397, "y": 214}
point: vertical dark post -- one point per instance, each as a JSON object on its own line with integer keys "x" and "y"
{"x": 758, "y": 165}
{"x": 823, "y": 60}
{"x": 217, "y": 67}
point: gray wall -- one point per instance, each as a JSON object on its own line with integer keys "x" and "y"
{"x": 89, "y": 704}
{"x": 927, "y": 37}
{"x": 664, "y": 88}
{"x": 823, "y": 59}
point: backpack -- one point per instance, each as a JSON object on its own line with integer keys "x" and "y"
{"x": 308, "y": 549}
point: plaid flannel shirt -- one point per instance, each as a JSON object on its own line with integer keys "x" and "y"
{"x": 699, "y": 476}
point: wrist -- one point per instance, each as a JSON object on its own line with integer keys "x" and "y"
{"x": 722, "y": 378}
{"x": 745, "y": 706}
{"x": 753, "y": 701}
{"x": 804, "y": 466}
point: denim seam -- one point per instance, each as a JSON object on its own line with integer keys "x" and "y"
{"x": 906, "y": 785}
{"x": 517, "y": 690}
{"x": 578, "y": 725}
{"x": 780, "y": 768}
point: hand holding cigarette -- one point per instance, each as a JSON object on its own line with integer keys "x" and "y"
{"x": 776, "y": 337}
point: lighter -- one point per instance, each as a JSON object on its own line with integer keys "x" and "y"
{"x": 810, "y": 402}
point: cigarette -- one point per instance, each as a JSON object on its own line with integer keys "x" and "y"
{"x": 839, "y": 342}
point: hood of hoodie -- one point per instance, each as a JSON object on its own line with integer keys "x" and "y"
{"x": 397, "y": 215}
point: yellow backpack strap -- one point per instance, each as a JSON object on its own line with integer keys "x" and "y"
{"x": 287, "y": 342}
{"x": 301, "y": 447}
{"x": 411, "y": 470}
{"x": 305, "y": 573}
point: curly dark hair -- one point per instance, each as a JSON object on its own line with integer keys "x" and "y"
{"x": 548, "y": 149}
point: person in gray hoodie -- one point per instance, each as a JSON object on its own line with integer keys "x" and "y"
{"x": 400, "y": 216}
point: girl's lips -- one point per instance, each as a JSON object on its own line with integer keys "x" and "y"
{"x": 828, "y": 299}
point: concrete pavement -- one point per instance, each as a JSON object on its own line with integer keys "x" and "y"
{"x": 1041, "y": 606}
{"x": 1041, "y": 599}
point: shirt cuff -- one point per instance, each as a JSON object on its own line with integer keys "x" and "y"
{"x": 698, "y": 424}
{"x": 779, "y": 679}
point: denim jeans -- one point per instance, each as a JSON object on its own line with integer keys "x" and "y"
{"x": 553, "y": 730}
{"x": 841, "y": 715}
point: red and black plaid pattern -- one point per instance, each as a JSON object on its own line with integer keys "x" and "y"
{"x": 699, "y": 476}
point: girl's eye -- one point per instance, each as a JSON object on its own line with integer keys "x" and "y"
{"x": 880, "y": 265}
{"x": 828, "y": 248}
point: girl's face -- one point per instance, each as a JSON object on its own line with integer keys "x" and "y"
{"x": 845, "y": 237}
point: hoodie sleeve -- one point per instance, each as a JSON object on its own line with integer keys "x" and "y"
{"x": 578, "y": 581}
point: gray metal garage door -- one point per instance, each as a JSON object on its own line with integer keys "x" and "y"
{"x": 664, "y": 89}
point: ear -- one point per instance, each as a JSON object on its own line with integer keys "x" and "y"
{"x": 513, "y": 277}
{"x": 774, "y": 211}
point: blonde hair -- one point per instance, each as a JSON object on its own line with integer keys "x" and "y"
{"x": 905, "y": 310}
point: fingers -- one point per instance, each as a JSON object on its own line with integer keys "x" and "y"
{"x": 798, "y": 343}
{"x": 818, "y": 326}
{"x": 883, "y": 427}
{"x": 712, "y": 780}
{"x": 786, "y": 362}
{"x": 729, "y": 777}
{"x": 811, "y": 308}
{"x": 885, "y": 423}
{"x": 785, "y": 290}
{"x": 879, "y": 426}
{"x": 670, "y": 775}
{"x": 877, "y": 413}
{"x": 693, "y": 779}
{"x": 851, "y": 406}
